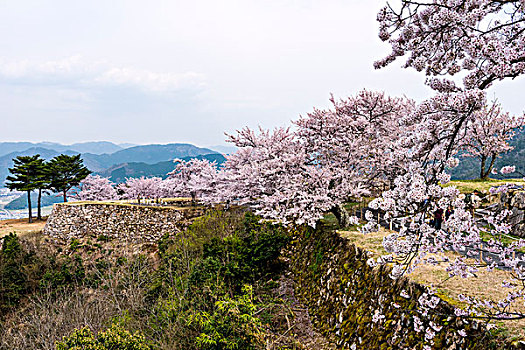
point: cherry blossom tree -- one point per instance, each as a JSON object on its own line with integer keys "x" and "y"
{"x": 488, "y": 134}
{"x": 193, "y": 178}
{"x": 357, "y": 136}
{"x": 141, "y": 188}
{"x": 482, "y": 38}
{"x": 264, "y": 173}
{"x": 96, "y": 188}
{"x": 277, "y": 175}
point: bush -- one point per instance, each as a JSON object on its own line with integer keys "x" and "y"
{"x": 13, "y": 281}
{"x": 63, "y": 273}
{"x": 232, "y": 325}
{"x": 115, "y": 338}
{"x": 243, "y": 257}
{"x": 203, "y": 292}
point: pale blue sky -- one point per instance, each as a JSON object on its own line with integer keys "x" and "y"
{"x": 186, "y": 71}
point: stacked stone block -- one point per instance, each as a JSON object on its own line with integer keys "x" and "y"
{"x": 130, "y": 223}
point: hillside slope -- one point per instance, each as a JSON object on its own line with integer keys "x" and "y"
{"x": 149, "y": 154}
{"x": 469, "y": 168}
{"x": 120, "y": 172}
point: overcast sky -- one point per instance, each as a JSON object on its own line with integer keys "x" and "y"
{"x": 187, "y": 71}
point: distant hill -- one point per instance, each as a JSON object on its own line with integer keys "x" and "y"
{"x": 469, "y": 168}
{"x": 127, "y": 145}
{"x": 149, "y": 154}
{"x": 95, "y": 147}
{"x": 21, "y": 202}
{"x": 120, "y": 172}
{"x": 98, "y": 147}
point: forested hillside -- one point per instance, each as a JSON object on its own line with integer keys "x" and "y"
{"x": 120, "y": 172}
{"x": 469, "y": 168}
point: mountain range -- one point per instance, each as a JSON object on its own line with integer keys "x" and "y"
{"x": 97, "y": 147}
{"x": 120, "y": 172}
{"x": 134, "y": 161}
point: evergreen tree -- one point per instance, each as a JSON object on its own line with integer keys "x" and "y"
{"x": 41, "y": 183}
{"x": 66, "y": 172}
{"x": 24, "y": 177}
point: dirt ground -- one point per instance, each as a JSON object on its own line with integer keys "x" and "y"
{"x": 21, "y": 226}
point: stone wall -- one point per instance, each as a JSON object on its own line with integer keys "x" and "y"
{"x": 515, "y": 201}
{"x": 126, "y": 222}
{"x": 361, "y": 307}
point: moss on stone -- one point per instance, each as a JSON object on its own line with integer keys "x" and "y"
{"x": 333, "y": 279}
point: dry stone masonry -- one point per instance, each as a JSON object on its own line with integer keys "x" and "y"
{"x": 361, "y": 307}
{"x": 131, "y": 223}
{"x": 515, "y": 201}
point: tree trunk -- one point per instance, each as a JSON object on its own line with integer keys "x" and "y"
{"x": 39, "y": 211}
{"x": 491, "y": 165}
{"x": 483, "y": 174}
{"x": 29, "y": 206}
{"x": 341, "y": 214}
{"x": 65, "y": 196}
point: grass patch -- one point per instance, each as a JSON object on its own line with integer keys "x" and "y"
{"x": 372, "y": 242}
{"x": 486, "y": 284}
{"x": 469, "y": 186}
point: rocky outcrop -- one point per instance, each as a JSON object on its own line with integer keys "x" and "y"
{"x": 131, "y": 223}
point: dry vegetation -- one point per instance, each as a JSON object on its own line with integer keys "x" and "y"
{"x": 160, "y": 291}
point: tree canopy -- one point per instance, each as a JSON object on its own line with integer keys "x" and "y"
{"x": 26, "y": 175}
{"x": 66, "y": 172}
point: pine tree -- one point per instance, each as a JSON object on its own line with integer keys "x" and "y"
{"x": 24, "y": 176}
{"x": 42, "y": 182}
{"x": 66, "y": 172}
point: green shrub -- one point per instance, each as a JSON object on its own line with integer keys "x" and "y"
{"x": 115, "y": 338}
{"x": 75, "y": 244}
{"x": 63, "y": 273}
{"x": 232, "y": 325}
{"x": 244, "y": 256}
{"x": 202, "y": 294}
{"x": 13, "y": 281}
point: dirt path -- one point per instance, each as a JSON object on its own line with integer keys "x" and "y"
{"x": 299, "y": 330}
{"x": 20, "y": 226}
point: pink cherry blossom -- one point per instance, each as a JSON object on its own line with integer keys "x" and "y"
{"x": 508, "y": 169}
{"x": 484, "y": 38}
{"x": 487, "y": 135}
{"x": 96, "y": 188}
{"x": 141, "y": 188}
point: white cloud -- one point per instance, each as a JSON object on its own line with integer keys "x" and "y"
{"x": 150, "y": 80}
{"x": 76, "y": 71}
{"x": 180, "y": 70}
